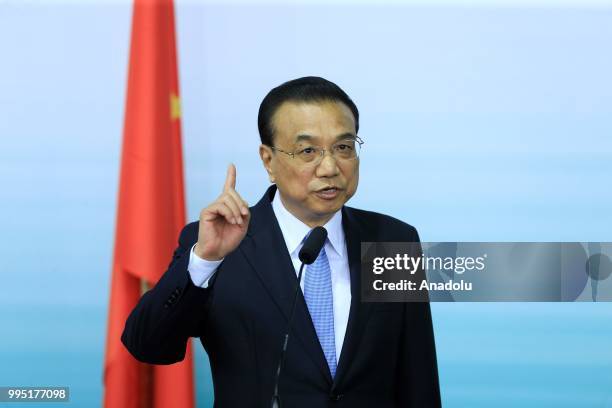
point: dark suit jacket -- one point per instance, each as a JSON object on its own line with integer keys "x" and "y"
{"x": 388, "y": 357}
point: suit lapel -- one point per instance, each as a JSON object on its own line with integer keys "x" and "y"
{"x": 359, "y": 311}
{"x": 275, "y": 269}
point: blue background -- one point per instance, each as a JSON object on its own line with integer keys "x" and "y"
{"x": 482, "y": 121}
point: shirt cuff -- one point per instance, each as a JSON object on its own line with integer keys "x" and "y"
{"x": 201, "y": 270}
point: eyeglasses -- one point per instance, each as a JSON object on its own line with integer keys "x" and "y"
{"x": 343, "y": 150}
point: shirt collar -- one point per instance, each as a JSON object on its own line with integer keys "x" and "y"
{"x": 295, "y": 230}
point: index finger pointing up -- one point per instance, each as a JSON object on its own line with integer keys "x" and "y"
{"x": 230, "y": 180}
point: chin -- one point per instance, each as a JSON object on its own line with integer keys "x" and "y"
{"x": 330, "y": 207}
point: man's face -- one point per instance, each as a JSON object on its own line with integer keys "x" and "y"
{"x": 320, "y": 124}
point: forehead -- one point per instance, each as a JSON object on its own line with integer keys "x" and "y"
{"x": 323, "y": 121}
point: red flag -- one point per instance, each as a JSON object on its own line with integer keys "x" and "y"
{"x": 151, "y": 209}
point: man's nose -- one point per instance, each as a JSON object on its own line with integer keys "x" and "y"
{"x": 328, "y": 167}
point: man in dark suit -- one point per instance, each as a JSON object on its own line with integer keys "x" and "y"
{"x": 232, "y": 278}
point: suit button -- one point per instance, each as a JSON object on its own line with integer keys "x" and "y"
{"x": 336, "y": 397}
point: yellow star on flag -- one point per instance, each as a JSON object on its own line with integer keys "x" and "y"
{"x": 175, "y": 107}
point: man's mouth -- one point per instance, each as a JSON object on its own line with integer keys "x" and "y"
{"x": 328, "y": 193}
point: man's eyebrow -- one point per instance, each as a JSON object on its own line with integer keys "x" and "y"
{"x": 302, "y": 137}
{"x": 305, "y": 137}
{"x": 347, "y": 135}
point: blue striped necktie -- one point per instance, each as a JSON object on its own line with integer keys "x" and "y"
{"x": 318, "y": 296}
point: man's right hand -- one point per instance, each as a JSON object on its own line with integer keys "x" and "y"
{"x": 223, "y": 224}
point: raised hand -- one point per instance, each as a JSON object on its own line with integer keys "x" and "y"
{"x": 223, "y": 223}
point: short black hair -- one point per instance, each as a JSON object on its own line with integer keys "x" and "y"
{"x": 305, "y": 89}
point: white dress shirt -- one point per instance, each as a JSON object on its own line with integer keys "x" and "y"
{"x": 294, "y": 231}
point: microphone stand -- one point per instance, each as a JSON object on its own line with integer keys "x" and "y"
{"x": 276, "y": 398}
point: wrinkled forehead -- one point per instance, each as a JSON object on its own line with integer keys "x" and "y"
{"x": 316, "y": 122}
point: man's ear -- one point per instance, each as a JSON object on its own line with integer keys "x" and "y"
{"x": 266, "y": 153}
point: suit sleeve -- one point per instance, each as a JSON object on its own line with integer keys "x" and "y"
{"x": 157, "y": 330}
{"x": 418, "y": 384}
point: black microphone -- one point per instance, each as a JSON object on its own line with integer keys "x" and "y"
{"x": 309, "y": 252}
{"x": 313, "y": 244}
